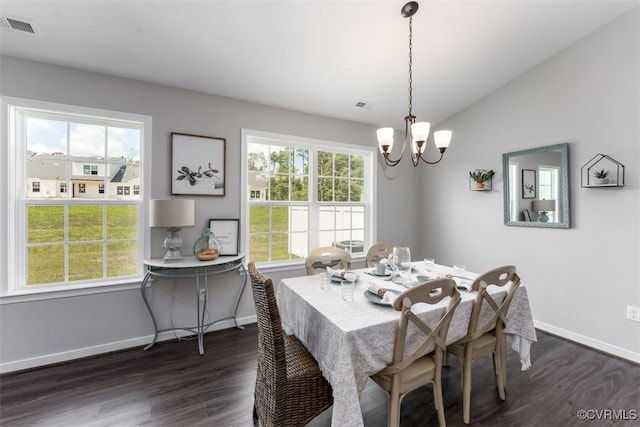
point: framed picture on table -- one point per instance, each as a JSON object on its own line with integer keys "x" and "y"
{"x": 197, "y": 164}
{"x": 528, "y": 184}
{"x": 227, "y": 234}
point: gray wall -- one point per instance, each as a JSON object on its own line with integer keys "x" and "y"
{"x": 580, "y": 280}
{"x": 35, "y": 332}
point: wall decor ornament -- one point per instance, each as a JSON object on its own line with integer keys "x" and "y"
{"x": 602, "y": 171}
{"x": 481, "y": 179}
{"x": 528, "y": 184}
{"x": 197, "y": 164}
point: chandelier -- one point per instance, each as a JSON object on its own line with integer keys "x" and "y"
{"x": 415, "y": 133}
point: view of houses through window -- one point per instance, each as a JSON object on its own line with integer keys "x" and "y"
{"x": 302, "y": 195}
{"x": 77, "y": 208}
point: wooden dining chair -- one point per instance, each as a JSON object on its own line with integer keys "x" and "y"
{"x": 327, "y": 256}
{"x": 424, "y": 365}
{"x": 290, "y": 388}
{"x": 485, "y": 334}
{"x": 379, "y": 251}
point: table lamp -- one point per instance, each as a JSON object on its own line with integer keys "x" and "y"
{"x": 542, "y": 207}
{"x": 173, "y": 215}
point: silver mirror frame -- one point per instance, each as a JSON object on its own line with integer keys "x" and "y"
{"x": 564, "y": 221}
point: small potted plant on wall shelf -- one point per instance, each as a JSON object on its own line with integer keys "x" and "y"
{"x": 601, "y": 177}
{"x": 481, "y": 176}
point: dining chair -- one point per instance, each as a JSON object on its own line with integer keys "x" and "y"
{"x": 485, "y": 334}
{"x": 422, "y": 366}
{"x": 327, "y": 256}
{"x": 290, "y": 388}
{"x": 377, "y": 252}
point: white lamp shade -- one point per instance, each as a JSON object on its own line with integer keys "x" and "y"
{"x": 385, "y": 137}
{"x": 420, "y": 131}
{"x": 174, "y": 213}
{"x": 544, "y": 205}
{"x": 442, "y": 138}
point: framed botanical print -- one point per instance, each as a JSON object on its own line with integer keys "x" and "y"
{"x": 528, "y": 184}
{"x": 197, "y": 164}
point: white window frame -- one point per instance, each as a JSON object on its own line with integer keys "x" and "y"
{"x": 554, "y": 172}
{"x": 12, "y": 218}
{"x": 370, "y": 199}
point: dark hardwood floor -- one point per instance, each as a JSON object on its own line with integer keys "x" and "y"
{"x": 172, "y": 385}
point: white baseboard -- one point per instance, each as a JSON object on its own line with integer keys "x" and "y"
{"x": 79, "y": 353}
{"x": 48, "y": 359}
{"x": 589, "y": 342}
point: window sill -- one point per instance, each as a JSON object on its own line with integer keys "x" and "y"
{"x": 22, "y": 296}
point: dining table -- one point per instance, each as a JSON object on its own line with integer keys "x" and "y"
{"x": 352, "y": 340}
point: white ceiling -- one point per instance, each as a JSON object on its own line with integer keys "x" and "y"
{"x": 314, "y": 56}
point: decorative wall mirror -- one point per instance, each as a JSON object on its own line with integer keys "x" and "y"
{"x": 536, "y": 187}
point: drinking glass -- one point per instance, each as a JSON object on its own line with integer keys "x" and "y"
{"x": 325, "y": 280}
{"x": 429, "y": 263}
{"x": 402, "y": 259}
{"x": 459, "y": 269}
{"x": 347, "y": 290}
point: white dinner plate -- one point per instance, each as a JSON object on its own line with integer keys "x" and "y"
{"x": 385, "y": 274}
{"x": 374, "y": 298}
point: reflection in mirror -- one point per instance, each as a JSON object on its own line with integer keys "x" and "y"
{"x": 536, "y": 187}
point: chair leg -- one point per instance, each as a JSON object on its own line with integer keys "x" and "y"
{"x": 438, "y": 402}
{"x": 394, "y": 410}
{"x": 255, "y": 414}
{"x": 500, "y": 369}
{"x": 466, "y": 389}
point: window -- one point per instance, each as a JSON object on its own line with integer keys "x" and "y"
{"x": 63, "y": 241}
{"x": 136, "y": 190}
{"x": 35, "y": 186}
{"x": 548, "y": 184}
{"x": 303, "y": 193}
{"x": 127, "y": 190}
{"x": 90, "y": 170}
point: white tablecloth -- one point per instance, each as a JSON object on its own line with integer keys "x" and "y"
{"x": 353, "y": 340}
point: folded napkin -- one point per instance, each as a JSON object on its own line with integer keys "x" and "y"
{"x": 342, "y": 274}
{"x": 387, "y": 297}
{"x": 460, "y": 282}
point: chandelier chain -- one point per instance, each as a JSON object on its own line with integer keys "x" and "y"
{"x": 410, "y": 66}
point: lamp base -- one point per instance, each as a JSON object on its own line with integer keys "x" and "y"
{"x": 173, "y": 243}
{"x": 542, "y": 217}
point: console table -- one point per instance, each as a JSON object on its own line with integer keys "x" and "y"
{"x": 200, "y": 271}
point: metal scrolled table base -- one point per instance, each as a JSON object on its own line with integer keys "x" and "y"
{"x": 193, "y": 268}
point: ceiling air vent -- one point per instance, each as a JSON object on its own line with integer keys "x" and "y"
{"x": 17, "y": 24}
{"x": 367, "y": 105}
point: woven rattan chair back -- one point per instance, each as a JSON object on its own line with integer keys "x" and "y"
{"x": 327, "y": 256}
{"x": 423, "y": 365}
{"x": 290, "y": 389}
{"x": 379, "y": 251}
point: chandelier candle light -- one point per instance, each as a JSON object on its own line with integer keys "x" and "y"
{"x": 416, "y": 133}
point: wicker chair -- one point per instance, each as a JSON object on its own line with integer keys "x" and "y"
{"x": 409, "y": 372}
{"x": 326, "y": 256}
{"x": 488, "y": 336}
{"x": 290, "y": 389}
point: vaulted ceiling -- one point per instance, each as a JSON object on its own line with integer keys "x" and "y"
{"x": 320, "y": 57}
